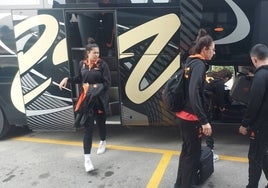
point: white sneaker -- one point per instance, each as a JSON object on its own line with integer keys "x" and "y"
{"x": 102, "y": 147}
{"x": 215, "y": 157}
{"x": 88, "y": 165}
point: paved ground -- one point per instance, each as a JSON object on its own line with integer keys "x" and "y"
{"x": 136, "y": 158}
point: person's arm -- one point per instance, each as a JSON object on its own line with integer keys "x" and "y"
{"x": 77, "y": 79}
{"x": 256, "y": 95}
{"x": 74, "y": 80}
{"x": 196, "y": 91}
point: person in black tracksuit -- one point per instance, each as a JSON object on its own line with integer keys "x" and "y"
{"x": 215, "y": 95}
{"x": 255, "y": 120}
{"x": 215, "y": 87}
{"x": 193, "y": 118}
{"x": 93, "y": 71}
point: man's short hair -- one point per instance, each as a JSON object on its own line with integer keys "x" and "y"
{"x": 260, "y": 51}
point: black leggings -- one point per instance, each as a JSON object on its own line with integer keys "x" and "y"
{"x": 100, "y": 122}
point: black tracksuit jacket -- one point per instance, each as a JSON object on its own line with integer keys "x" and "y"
{"x": 195, "y": 101}
{"x": 256, "y": 117}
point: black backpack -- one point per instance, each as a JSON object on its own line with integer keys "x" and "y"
{"x": 173, "y": 94}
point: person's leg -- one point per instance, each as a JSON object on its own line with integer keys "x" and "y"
{"x": 181, "y": 158}
{"x": 100, "y": 121}
{"x": 190, "y": 155}
{"x": 254, "y": 170}
{"x": 264, "y": 150}
{"x": 87, "y": 143}
{"x": 265, "y": 164}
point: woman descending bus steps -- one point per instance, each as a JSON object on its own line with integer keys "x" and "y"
{"x": 95, "y": 76}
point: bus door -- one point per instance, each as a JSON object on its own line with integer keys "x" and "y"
{"x": 81, "y": 26}
{"x": 43, "y": 61}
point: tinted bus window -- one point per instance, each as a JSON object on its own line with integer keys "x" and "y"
{"x": 114, "y": 2}
{"x": 7, "y": 43}
{"x": 229, "y": 23}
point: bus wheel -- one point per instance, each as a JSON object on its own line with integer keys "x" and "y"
{"x": 4, "y": 126}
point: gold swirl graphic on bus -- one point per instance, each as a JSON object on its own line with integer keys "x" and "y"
{"x": 163, "y": 28}
{"x": 37, "y": 51}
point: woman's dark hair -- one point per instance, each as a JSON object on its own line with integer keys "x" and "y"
{"x": 260, "y": 51}
{"x": 90, "y": 40}
{"x": 204, "y": 41}
{"x": 91, "y": 44}
{"x": 201, "y": 33}
{"x": 223, "y": 73}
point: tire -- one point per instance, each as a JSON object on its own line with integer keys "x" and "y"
{"x": 4, "y": 126}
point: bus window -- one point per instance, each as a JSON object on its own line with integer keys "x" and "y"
{"x": 7, "y": 43}
{"x": 114, "y": 2}
{"x": 26, "y": 4}
{"x": 150, "y": 1}
{"x": 18, "y": 2}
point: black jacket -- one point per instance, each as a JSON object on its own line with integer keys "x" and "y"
{"x": 105, "y": 79}
{"x": 215, "y": 91}
{"x": 256, "y": 117}
{"x": 195, "y": 100}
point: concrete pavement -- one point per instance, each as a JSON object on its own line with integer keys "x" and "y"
{"x": 136, "y": 157}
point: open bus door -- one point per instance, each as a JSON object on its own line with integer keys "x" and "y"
{"x": 141, "y": 52}
{"x": 100, "y": 25}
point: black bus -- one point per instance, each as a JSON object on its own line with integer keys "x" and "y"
{"x": 143, "y": 41}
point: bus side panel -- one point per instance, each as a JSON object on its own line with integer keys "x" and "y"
{"x": 43, "y": 62}
{"x": 260, "y": 28}
{"x": 148, "y": 46}
{"x": 143, "y": 66}
{"x": 11, "y": 106}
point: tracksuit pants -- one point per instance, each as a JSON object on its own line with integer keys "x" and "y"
{"x": 190, "y": 154}
{"x": 258, "y": 159}
{"x": 89, "y": 127}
